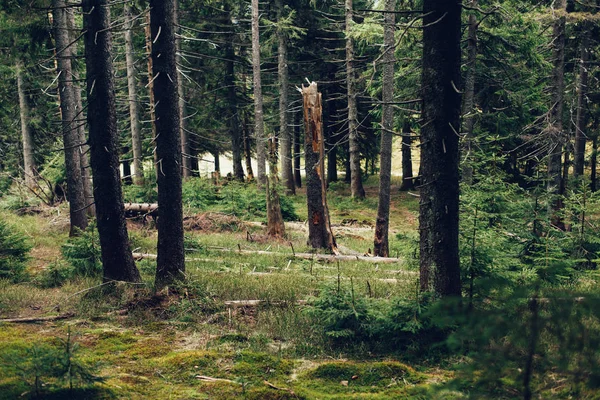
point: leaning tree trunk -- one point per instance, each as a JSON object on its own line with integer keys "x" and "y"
{"x": 284, "y": 130}
{"x": 134, "y": 112}
{"x": 259, "y": 123}
{"x": 408, "y": 181}
{"x": 170, "y": 262}
{"x": 117, "y": 260}
{"x": 582, "y": 114}
{"x": 237, "y": 146}
{"x": 28, "y": 158}
{"x": 356, "y": 186}
{"x": 186, "y": 154}
{"x": 555, "y": 129}
{"x": 70, "y": 129}
{"x": 438, "y": 215}
{"x": 319, "y": 226}
{"x": 468, "y": 112}
{"x": 381, "y": 244}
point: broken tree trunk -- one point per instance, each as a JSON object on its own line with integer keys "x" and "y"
{"x": 319, "y": 226}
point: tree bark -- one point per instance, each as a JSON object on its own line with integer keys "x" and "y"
{"x": 356, "y": 186}
{"x": 438, "y": 214}
{"x": 555, "y": 129}
{"x": 117, "y": 260}
{"x": 381, "y": 244}
{"x": 284, "y": 130}
{"x": 275, "y": 225}
{"x": 70, "y": 129}
{"x": 136, "y": 136}
{"x": 594, "y": 164}
{"x": 468, "y": 113}
{"x": 232, "y": 102}
{"x": 408, "y": 182}
{"x": 582, "y": 114}
{"x": 170, "y": 263}
{"x": 259, "y": 123}
{"x": 247, "y": 148}
{"x": 26, "y": 136}
{"x": 297, "y": 143}
{"x": 319, "y": 226}
{"x": 84, "y": 150}
{"x": 186, "y": 153}
{"x": 148, "y": 35}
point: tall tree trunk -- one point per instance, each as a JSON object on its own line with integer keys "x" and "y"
{"x": 170, "y": 262}
{"x": 438, "y": 214}
{"x": 149, "y": 46}
{"x": 26, "y": 136}
{"x": 408, "y": 182}
{"x": 117, "y": 260}
{"x": 70, "y": 129}
{"x": 275, "y": 225}
{"x": 247, "y": 148}
{"x": 356, "y": 186}
{"x": 593, "y": 164}
{"x": 582, "y": 114}
{"x": 136, "y": 136}
{"x": 284, "y": 130}
{"x": 555, "y": 129}
{"x": 186, "y": 153}
{"x": 381, "y": 244}
{"x": 232, "y": 102}
{"x": 468, "y": 112}
{"x": 297, "y": 141}
{"x": 217, "y": 162}
{"x": 86, "y": 172}
{"x": 259, "y": 123}
{"x": 319, "y": 226}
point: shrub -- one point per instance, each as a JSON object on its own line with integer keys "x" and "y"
{"x": 55, "y": 275}
{"x": 83, "y": 252}
{"x": 200, "y": 193}
{"x": 145, "y": 193}
{"x": 14, "y": 251}
{"x": 247, "y": 201}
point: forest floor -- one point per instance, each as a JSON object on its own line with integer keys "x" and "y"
{"x": 194, "y": 341}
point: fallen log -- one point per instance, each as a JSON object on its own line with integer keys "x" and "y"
{"x": 141, "y": 210}
{"x": 211, "y": 379}
{"x": 269, "y": 384}
{"x": 256, "y": 303}
{"x": 303, "y": 256}
{"x": 33, "y": 320}
{"x": 320, "y": 257}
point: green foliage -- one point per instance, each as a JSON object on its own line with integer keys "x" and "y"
{"x": 14, "y": 253}
{"x": 199, "y": 193}
{"x": 527, "y": 342}
{"x": 384, "y": 325}
{"x": 345, "y": 318}
{"x": 42, "y": 366}
{"x": 55, "y": 275}
{"x": 83, "y": 252}
{"x": 145, "y": 193}
{"x": 241, "y": 200}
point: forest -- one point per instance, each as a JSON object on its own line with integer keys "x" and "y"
{"x": 299, "y": 199}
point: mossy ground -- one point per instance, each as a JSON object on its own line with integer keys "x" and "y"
{"x": 148, "y": 345}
